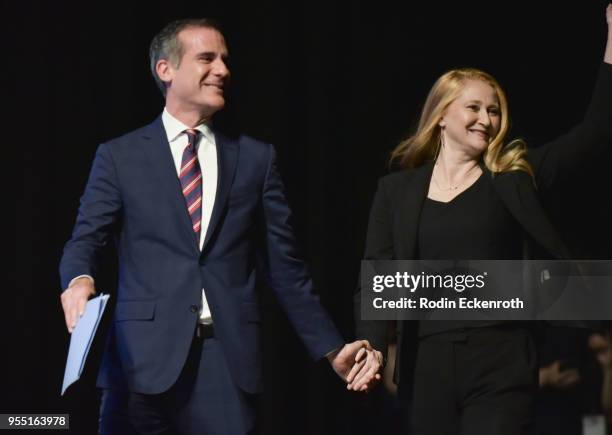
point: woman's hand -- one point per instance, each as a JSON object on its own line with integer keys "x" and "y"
{"x": 365, "y": 374}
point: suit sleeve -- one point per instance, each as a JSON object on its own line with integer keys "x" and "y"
{"x": 555, "y": 159}
{"x": 379, "y": 246}
{"x": 287, "y": 273}
{"x": 98, "y": 213}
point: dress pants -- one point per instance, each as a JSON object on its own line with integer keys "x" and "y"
{"x": 479, "y": 381}
{"x": 203, "y": 401}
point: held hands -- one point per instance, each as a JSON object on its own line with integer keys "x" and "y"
{"x": 358, "y": 364}
{"x": 74, "y": 299}
{"x": 368, "y": 376}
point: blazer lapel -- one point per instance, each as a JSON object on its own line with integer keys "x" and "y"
{"x": 227, "y": 158}
{"x": 162, "y": 164}
{"x": 518, "y": 194}
{"x": 411, "y": 197}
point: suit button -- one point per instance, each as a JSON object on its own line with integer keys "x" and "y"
{"x": 193, "y": 308}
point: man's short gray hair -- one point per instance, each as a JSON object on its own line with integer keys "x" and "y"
{"x": 166, "y": 45}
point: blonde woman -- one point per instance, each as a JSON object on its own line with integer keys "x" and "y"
{"x": 466, "y": 192}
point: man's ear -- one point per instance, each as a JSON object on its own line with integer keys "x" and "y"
{"x": 164, "y": 71}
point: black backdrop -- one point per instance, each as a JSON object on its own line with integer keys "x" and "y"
{"x": 334, "y": 87}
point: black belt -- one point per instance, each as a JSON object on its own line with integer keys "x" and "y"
{"x": 204, "y": 331}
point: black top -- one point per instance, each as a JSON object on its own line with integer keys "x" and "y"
{"x": 475, "y": 225}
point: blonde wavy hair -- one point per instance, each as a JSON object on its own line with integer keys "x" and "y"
{"x": 425, "y": 143}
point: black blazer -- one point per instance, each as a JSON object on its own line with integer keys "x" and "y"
{"x": 394, "y": 217}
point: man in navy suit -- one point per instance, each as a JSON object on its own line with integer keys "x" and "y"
{"x": 193, "y": 213}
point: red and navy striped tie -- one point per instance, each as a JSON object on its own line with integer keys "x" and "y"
{"x": 191, "y": 181}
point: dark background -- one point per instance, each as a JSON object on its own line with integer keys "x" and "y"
{"x": 334, "y": 87}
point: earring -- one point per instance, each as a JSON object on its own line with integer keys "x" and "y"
{"x": 439, "y": 146}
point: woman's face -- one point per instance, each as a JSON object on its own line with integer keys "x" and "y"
{"x": 473, "y": 119}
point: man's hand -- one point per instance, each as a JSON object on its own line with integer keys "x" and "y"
{"x": 74, "y": 299}
{"x": 344, "y": 359}
{"x": 357, "y": 361}
{"x": 553, "y": 377}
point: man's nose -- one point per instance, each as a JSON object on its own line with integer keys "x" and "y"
{"x": 221, "y": 68}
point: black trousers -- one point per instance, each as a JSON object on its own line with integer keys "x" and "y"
{"x": 203, "y": 401}
{"x": 480, "y": 381}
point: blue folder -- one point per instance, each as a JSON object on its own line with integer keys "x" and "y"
{"x": 81, "y": 339}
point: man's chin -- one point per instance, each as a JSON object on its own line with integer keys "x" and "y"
{"x": 217, "y": 103}
{"x": 212, "y": 107}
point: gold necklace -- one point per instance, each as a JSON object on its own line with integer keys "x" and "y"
{"x": 453, "y": 187}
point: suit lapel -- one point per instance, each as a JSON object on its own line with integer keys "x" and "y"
{"x": 227, "y": 158}
{"x": 162, "y": 164}
{"x": 412, "y": 195}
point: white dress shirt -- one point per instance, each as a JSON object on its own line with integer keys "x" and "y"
{"x": 207, "y": 157}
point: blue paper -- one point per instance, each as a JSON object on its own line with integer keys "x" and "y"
{"x": 81, "y": 339}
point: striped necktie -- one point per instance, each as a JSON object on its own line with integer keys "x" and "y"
{"x": 191, "y": 181}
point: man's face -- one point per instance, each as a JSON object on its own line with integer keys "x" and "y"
{"x": 198, "y": 82}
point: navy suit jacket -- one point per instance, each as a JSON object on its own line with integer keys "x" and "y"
{"x": 134, "y": 194}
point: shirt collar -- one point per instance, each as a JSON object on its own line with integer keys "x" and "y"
{"x": 174, "y": 128}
